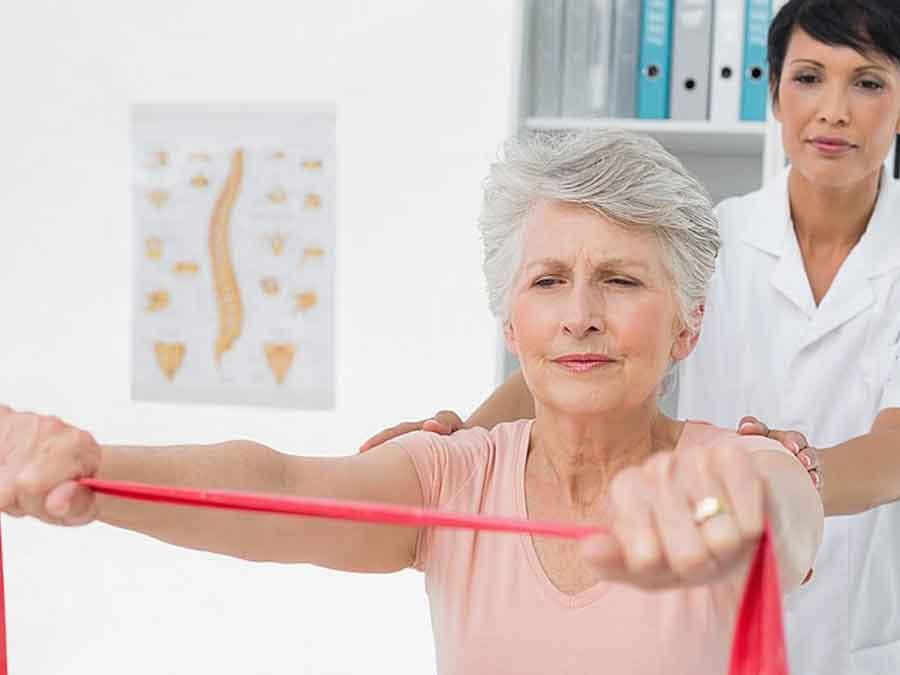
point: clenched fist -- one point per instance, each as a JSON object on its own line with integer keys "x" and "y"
{"x": 41, "y": 457}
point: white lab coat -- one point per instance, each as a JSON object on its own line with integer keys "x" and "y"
{"x": 766, "y": 350}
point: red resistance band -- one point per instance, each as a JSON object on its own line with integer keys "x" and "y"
{"x": 758, "y": 647}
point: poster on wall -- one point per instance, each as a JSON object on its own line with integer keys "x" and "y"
{"x": 234, "y": 253}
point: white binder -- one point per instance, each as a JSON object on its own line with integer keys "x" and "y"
{"x": 727, "y": 61}
{"x": 691, "y": 52}
{"x": 547, "y": 55}
{"x": 577, "y": 56}
{"x": 602, "y": 24}
{"x": 626, "y": 52}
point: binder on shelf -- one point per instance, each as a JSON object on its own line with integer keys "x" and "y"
{"x": 602, "y": 22}
{"x": 655, "y": 45}
{"x": 691, "y": 53}
{"x": 576, "y": 92}
{"x": 546, "y": 65}
{"x": 624, "y": 70}
{"x": 727, "y": 61}
{"x": 755, "y": 77}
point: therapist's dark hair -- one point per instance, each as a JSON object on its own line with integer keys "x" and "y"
{"x": 871, "y": 27}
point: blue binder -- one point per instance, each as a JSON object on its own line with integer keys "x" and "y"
{"x": 656, "y": 48}
{"x": 755, "y": 79}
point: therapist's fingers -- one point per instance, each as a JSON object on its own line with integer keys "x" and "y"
{"x": 445, "y": 422}
{"x": 389, "y": 433}
{"x": 750, "y": 426}
{"x": 792, "y": 440}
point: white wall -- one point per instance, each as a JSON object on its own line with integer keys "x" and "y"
{"x": 423, "y": 91}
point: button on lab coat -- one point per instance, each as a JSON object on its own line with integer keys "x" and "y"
{"x": 766, "y": 350}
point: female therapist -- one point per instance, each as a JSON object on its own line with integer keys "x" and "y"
{"x": 803, "y": 319}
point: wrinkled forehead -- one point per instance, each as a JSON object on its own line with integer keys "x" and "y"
{"x": 572, "y": 233}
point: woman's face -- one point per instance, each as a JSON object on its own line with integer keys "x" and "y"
{"x": 593, "y": 318}
{"x": 840, "y": 111}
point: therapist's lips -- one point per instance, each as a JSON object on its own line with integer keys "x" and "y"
{"x": 582, "y": 363}
{"x": 831, "y": 145}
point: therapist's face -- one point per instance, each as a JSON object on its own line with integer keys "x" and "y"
{"x": 840, "y": 111}
{"x": 593, "y": 316}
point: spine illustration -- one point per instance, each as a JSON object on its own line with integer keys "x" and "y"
{"x": 228, "y": 296}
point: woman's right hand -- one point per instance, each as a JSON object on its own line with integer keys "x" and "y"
{"x": 41, "y": 457}
{"x": 662, "y": 533}
{"x": 445, "y": 423}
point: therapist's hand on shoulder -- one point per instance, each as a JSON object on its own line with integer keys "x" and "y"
{"x": 41, "y": 457}
{"x": 794, "y": 441}
{"x": 445, "y": 423}
{"x": 681, "y": 520}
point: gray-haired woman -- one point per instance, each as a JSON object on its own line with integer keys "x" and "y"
{"x": 802, "y": 325}
{"x": 598, "y": 251}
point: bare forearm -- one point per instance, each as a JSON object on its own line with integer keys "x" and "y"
{"x": 511, "y": 401}
{"x": 861, "y": 473}
{"x": 797, "y": 515}
{"x": 235, "y": 465}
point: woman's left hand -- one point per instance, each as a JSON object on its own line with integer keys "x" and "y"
{"x": 682, "y": 519}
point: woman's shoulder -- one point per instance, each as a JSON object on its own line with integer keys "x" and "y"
{"x": 467, "y": 449}
{"x": 703, "y": 434}
{"x": 466, "y": 463}
{"x": 475, "y": 440}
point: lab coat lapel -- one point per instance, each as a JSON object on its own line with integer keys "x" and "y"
{"x": 772, "y": 232}
{"x": 876, "y": 253}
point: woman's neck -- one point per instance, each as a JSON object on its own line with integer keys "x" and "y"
{"x": 828, "y": 223}
{"x": 580, "y": 456}
{"x": 831, "y": 218}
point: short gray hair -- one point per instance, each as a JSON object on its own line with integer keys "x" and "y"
{"x": 628, "y": 178}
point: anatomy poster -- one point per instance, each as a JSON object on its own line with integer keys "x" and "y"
{"x": 234, "y": 253}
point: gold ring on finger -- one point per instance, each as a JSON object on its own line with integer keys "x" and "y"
{"x": 707, "y": 508}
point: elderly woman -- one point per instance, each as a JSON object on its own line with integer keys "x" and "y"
{"x": 598, "y": 251}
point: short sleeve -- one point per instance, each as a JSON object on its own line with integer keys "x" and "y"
{"x": 445, "y": 465}
{"x": 890, "y": 396}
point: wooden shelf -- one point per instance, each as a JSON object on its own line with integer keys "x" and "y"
{"x": 703, "y": 138}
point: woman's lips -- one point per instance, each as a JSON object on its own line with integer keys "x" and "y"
{"x": 581, "y": 363}
{"x": 830, "y": 146}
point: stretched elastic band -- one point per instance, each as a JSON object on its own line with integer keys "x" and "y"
{"x": 758, "y": 646}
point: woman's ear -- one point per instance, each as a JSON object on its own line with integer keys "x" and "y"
{"x": 510, "y": 336}
{"x": 687, "y": 337}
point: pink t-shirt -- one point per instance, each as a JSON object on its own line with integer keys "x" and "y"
{"x": 493, "y": 608}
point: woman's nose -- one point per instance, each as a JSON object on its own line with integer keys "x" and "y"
{"x": 584, "y": 313}
{"x": 834, "y": 108}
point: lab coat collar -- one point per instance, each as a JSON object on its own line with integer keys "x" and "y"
{"x": 876, "y": 253}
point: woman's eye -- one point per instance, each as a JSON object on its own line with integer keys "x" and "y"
{"x": 871, "y": 85}
{"x": 805, "y": 78}
{"x": 621, "y": 281}
{"x": 547, "y": 282}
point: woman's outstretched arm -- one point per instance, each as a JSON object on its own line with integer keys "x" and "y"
{"x": 42, "y": 456}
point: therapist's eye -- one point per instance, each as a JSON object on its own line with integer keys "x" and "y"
{"x": 871, "y": 85}
{"x": 806, "y": 78}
